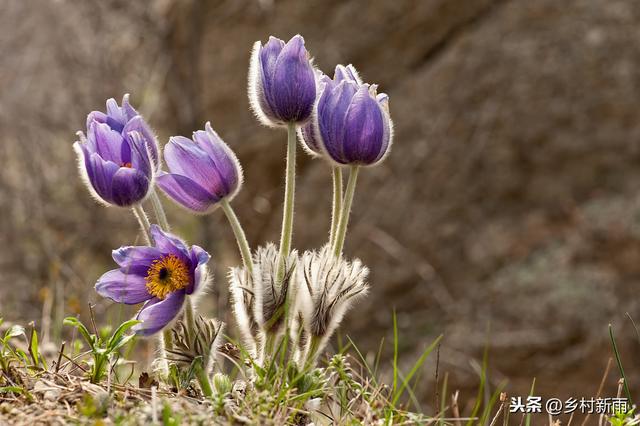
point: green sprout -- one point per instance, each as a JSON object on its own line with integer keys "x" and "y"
{"x": 103, "y": 350}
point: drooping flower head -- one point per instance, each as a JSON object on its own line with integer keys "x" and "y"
{"x": 282, "y": 87}
{"x": 160, "y": 276}
{"x": 118, "y": 156}
{"x": 351, "y": 124}
{"x": 309, "y": 133}
{"x": 330, "y": 285}
{"x": 203, "y": 171}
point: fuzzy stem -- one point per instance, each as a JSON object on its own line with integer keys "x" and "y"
{"x": 161, "y": 216}
{"x": 337, "y": 202}
{"x": 346, "y": 210}
{"x": 313, "y": 350}
{"x": 269, "y": 344}
{"x": 143, "y": 220}
{"x": 289, "y": 197}
{"x": 189, "y": 319}
{"x": 203, "y": 379}
{"x": 241, "y": 238}
{"x": 167, "y": 339}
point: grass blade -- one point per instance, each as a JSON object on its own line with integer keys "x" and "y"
{"x": 414, "y": 369}
{"x": 619, "y": 362}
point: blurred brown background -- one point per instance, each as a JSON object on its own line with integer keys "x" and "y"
{"x": 509, "y": 206}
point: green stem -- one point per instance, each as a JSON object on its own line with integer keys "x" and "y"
{"x": 337, "y": 202}
{"x": 241, "y": 238}
{"x": 203, "y": 379}
{"x": 289, "y": 197}
{"x": 161, "y": 216}
{"x": 143, "y": 220}
{"x": 346, "y": 210}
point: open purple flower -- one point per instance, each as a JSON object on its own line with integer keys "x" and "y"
{"x": 308, "y": 133}
{"x": 203, "y": 171}
{"x": 160, "y": 276}
{"x": 282, "y": 86}
{"x": 352, "y": 124}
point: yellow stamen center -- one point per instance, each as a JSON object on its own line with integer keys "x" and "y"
{"x": 166, "y": 275}
{"x": 127, "y": 165}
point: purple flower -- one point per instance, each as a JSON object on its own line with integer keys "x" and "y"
{"x": 309, "y": 133}
{"x": 352, "y": 124}
{"x": 203, "y": 171}
{"x": 160, "y": 276}
{"x": 282, "y": 86}
{"x": 115, "y": 158}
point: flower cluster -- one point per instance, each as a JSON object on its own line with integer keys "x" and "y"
{"x": 277, "y": 295}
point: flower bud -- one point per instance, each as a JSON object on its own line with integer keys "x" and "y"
{"x": 352, "y": 125}
{"x": 116, "y": 158}
{"x": 308, "y": 133}
{"x": 203, "y": 171}
{"x": 282, "y": 87}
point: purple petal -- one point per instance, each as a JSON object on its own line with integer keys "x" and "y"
{"x": 268, "y": 55}
{"x": 101, "y": 174}
{"x": 128, "y": 111}
{"x": 137, "y": 124}
{"x": 129, "y": 186}
{"x": 129, "y": 256}
{"x": 156, "y": 314}
{"x": 108, "y": 143}
{"x": 169, "y": 244}
{"x": 114, "y": 111}
{"x": 332, "y": 109}
{"x": 122, "y": 287}
{"x": 224, "y": 159}
{"x": 293, "y": 91}
{"x": 97, "y": 116}
{"x": 185, "y": 157}
{"x": 364, "y": 129}
{"x": 186, "y": 192}
{"x": 346, "y": 73}
{"x": 199, "y": 259}
{"x": 140, "y": 155}
{"x": 383, "y": 101}
{"x": 308, "y": 137}
{"x": 257, "y": 97}
{"x": 84, "y": 159}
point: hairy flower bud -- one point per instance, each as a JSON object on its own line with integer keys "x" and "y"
{"x": 203, "y": 171}
{"x": 282, "y": 87}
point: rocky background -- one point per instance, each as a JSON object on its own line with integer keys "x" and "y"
{"x": 507, "y": 213}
